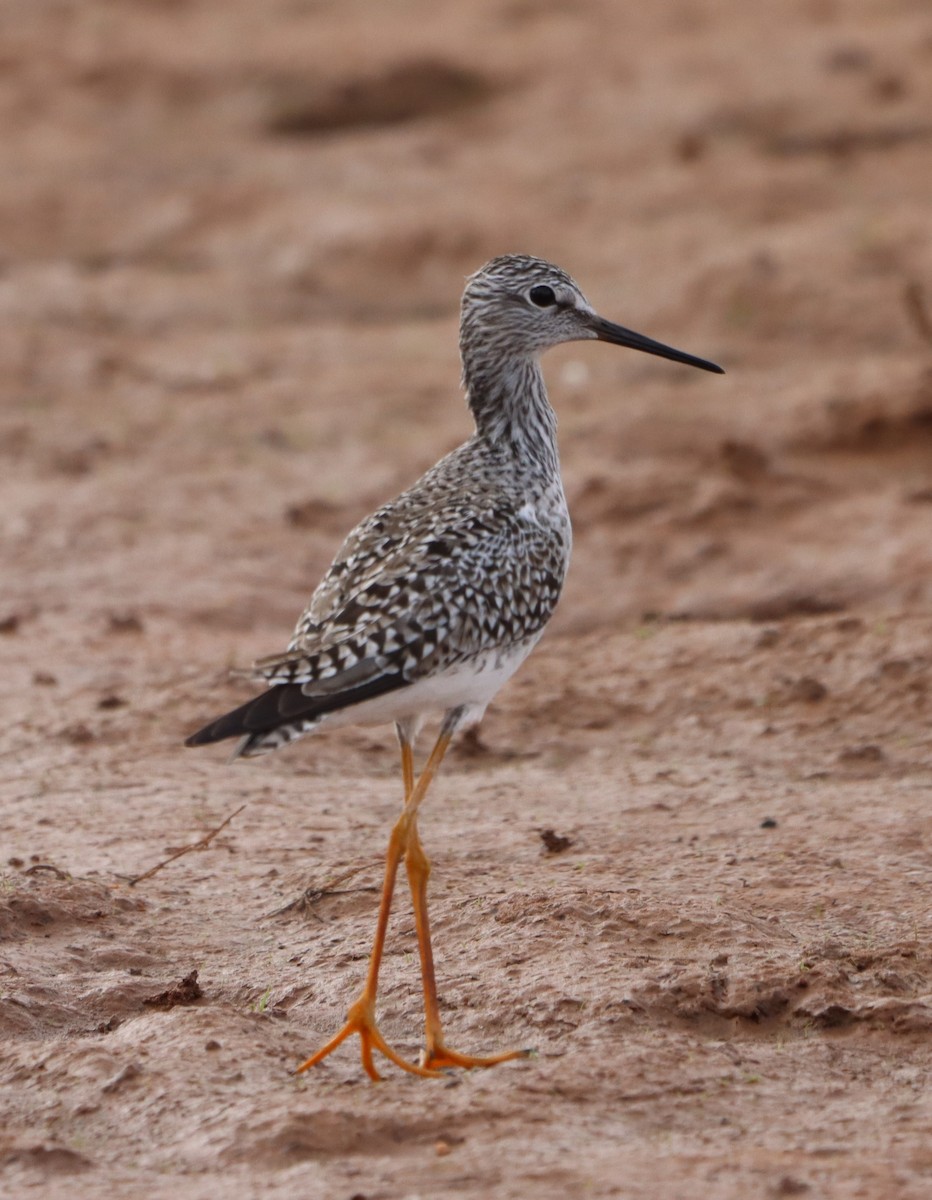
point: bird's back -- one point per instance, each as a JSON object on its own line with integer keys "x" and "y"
{"x": 474, "y": 554}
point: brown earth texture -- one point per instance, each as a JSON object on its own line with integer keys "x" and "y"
{"x": 687, "y": 857}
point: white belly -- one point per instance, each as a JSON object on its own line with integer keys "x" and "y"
{"x": 470, "y": 686}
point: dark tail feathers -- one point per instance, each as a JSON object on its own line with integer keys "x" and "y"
{"x": 285, "y": 704}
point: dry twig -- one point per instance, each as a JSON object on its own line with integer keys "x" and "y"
{"x": 201, "y": 844}
{"x": 313, "y": 894}
{"x": 40, "y": 867}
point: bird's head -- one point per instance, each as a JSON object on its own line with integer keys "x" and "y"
{"x": 517, "y": 307}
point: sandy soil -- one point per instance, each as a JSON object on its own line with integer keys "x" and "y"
{"x": 234, "y": 238}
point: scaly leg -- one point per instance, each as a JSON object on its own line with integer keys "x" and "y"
{"x": 435, "y": 1053}
{"x": 361, "y": 1016}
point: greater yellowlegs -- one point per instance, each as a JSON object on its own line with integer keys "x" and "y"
{"x": 436, "y": 599}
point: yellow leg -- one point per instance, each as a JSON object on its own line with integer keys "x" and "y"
{"x": 405, "y": 842}
{"x": 435, "y": 1055}
{"x": 361, "y": 1016}
{"x": 407, "y": 767}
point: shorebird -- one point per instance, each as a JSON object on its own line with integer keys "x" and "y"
{"x": 437, "y": 598}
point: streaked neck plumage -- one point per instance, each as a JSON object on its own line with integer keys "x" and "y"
{"x": 508, "y": 400}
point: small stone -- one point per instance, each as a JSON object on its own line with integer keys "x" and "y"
{"x": 126, "y": 622}
{"x": 690, "y": 146}
{"x": 744, "y": 460}
{"x": 889, "y": 87}
{"x": 808, "y": 689}
{"x": 78, "y": 734}
{"x": 868, "y": 753}
{"x": 554, "y": 843}
{"x": 788, "y": 1186}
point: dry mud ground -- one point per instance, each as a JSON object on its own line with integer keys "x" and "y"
{"x": 233, "y": 241}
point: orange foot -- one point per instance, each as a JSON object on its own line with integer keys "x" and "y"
{"x": 361, "y": 1019}
{"x": 438, "y": 1057}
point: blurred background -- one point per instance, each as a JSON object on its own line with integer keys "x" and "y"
{"x": 234, "y": 238}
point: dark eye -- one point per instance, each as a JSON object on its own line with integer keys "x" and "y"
{"x": 542, "y": 296}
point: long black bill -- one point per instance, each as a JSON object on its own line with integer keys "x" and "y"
{"x": 606, "y": 331}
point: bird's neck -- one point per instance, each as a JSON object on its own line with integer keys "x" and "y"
{"x": 508, "y": 401}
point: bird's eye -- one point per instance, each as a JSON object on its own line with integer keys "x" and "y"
{"x": 542, "y": 296}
